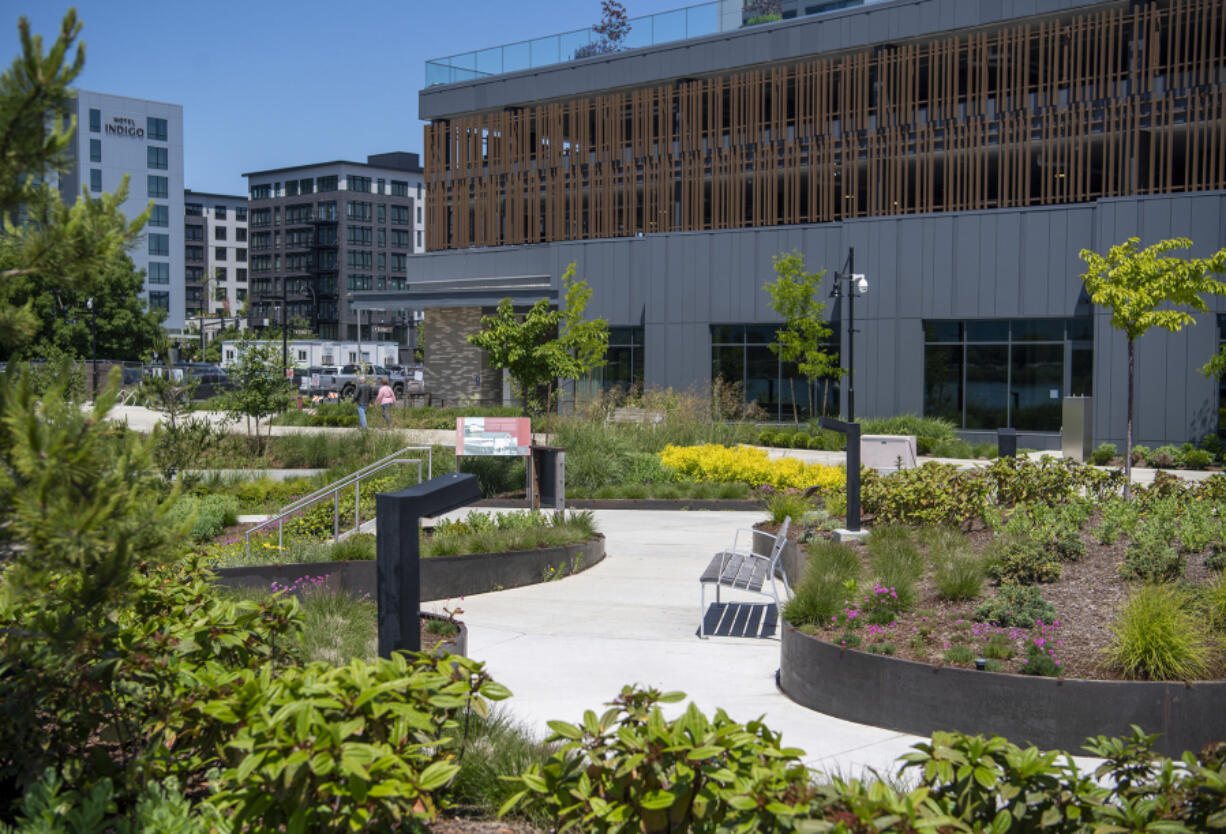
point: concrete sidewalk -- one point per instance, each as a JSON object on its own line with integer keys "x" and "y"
{"x": 567, "y": 646}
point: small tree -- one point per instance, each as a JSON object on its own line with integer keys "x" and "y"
{"x": 804, "y": 333}
{"x": 545, "y": 344}
{"x": 1144, "y": 288}
{"x": 613, "y": 26}
{"x": 262, "y": 389}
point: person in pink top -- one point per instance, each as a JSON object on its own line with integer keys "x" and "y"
{"x": 385, "y": 398}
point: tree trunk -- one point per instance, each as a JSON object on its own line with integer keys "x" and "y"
{"x": 825, "y": 395}
{"x": 795, "y": 414}
{"x": 1128, "y": 428}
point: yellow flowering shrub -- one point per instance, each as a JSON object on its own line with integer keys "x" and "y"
{"x": 725, "y": 464}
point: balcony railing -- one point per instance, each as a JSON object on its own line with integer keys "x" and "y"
{"x": 648, "y": 30}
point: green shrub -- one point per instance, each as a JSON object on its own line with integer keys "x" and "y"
{"x": 1198, "y": 526}
{"x": 1216, "y": 560}
{"x": 1212, "y": 444}
{"x": 1214, "y": 601}
{"x": 959, "y": 654}
{"x": 762, "y": 18}
{"x": 1164, "y": 457}
{"x": 934, "y": 494}
{"x": 596, "y": 456}
{"x": 1020, "y": 560}
{"x": 766, "y": 438}
{"x": 936, "y": 428}
{"x": 1140, "y": 455}
{"x": 1104, "y": 454}
{"x": 370, "y": 766}
{"x": 210, "y": 514}
{"x": 924, "y": 444}
{"x": 882, "y": 648}
{"x": 631, "y": 769}
{"x": 354, "y": 548}
{"x": 1197, "y": 459}
{"x": 1119, "y": 517}
{"x": 953, "y": 448}
{"x": 1017, "y": 606}
{"x": 1151, "y": 558}
{"x": 1158, "y": 635}
{"x": 1039, "y": 662}
{"x": 497, "y": 749}
{"x": 824, "y": 586}
{"x": 498, "y": 475}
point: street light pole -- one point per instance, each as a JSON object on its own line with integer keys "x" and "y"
{"x": 284, "y": 335}
{"x": 857, "y": 284}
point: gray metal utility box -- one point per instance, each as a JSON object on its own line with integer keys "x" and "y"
{"x": 1077, "y": 429}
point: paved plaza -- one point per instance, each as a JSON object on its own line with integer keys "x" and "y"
{"x": 570, "y": 645}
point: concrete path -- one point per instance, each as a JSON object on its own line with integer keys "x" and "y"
{"x": 566, "y": 646}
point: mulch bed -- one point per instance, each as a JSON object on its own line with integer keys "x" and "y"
{"x": 1086, "y": 598}
{"x": 459, "y": 825}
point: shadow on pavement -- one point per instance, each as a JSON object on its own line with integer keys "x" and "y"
{"x": 741, "y": 619}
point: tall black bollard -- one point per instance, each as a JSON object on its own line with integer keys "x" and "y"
{"x": 852, "y": 432}
{"x": 398, "y": 554}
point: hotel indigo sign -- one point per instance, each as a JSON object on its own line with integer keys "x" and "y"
{"x": 123, "y": 126}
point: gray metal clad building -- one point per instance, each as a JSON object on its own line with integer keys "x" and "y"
{"x": 966, "y": 151}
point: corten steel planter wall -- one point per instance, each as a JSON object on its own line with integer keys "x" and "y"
{"x": 445, "y": 577}
{"x": 1049, "y": 713}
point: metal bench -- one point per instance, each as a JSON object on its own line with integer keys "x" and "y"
{"x": 642, "y": 416}
{"x": 744, "y": 569}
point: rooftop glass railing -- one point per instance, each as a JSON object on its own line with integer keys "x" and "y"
{"x": 648, "y": 30}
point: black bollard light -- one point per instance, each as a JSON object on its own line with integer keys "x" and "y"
{"x": 398, "y": 553}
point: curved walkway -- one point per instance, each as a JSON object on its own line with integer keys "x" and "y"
{"x": 567, "y": 646}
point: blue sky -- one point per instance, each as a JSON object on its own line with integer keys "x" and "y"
{"x": 268, "y": 83}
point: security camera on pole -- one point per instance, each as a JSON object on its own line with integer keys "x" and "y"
{"x": 857, "y": 284}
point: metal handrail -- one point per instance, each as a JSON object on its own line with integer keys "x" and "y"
{"x": 353, "y": 479}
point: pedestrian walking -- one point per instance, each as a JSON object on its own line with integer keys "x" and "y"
{"x": 386, "y": 398}
{"x": 362, "y": 396}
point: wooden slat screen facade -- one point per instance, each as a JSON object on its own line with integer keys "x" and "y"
{"x": 1122, "y": 101}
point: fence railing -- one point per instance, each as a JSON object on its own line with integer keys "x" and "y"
{"x": 334, "y": 489}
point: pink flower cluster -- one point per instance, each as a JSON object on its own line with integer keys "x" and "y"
{"x": 301, "y": 584}
{"x": 1043, "y": 638}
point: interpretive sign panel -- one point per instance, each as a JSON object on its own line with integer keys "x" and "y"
{"x": 497, "y": 436}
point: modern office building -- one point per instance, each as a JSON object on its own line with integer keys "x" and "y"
{"x": 323, "y": 233}
{"x": 215, "y": 254}
{"x": 142, "y": 140}
{"x": 966, "y": 152}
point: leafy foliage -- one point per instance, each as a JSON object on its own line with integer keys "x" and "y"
{"x": 544, "y": 344}
{"x": 1016, "y": 605}
{"x": 805, "y": 332}
{"x": 326, "y": 748}
{"x": 712, "y": 462}
{"x": 630, "y": 769}
{"x": 261, "y": 389}
{"x": 1146, "y": 288}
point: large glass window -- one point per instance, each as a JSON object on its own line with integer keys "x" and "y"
{"x": 95, "y": 120}
{"x": 159, "y": 244}
{"x": 159, "y": 301}
{"x": 160, "y": 216}
{"x": 158, "y": 187}
{"x": 741, "y": 355}
{"x": 155, "y": 129}
{"x": 158, "y": 272}
{"x": 361, "y": 184}
{"x": 997, "y": 373}
{"x": 95, "y": 150}
{"x": 158, "y": 158}
{"x": 323, "y": 184}
{"x": 95, "y": 180}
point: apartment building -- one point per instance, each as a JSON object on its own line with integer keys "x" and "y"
{"x": 965, "y": 152}
{"x": 322, "y": 234}
{"x": 215, "y": 254}
{"x": 142, "y": 140}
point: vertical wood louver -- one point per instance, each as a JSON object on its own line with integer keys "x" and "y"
{"x": 1123, "y": 101}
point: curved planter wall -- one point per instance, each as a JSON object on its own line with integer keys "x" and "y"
{"x": 445, "y": 577}
{"x": 1046, "y": 712}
